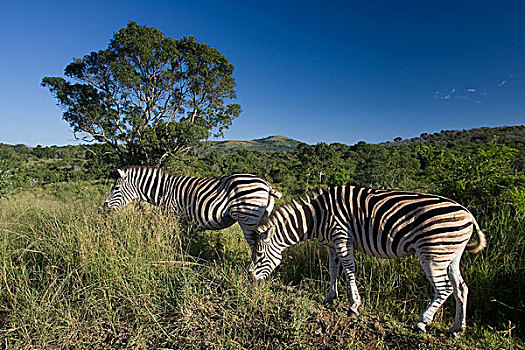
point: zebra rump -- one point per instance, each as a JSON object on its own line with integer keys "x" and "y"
{"x": 381, "y": 223}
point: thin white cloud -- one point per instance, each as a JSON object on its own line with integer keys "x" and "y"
{"x": 465, "y": 94}
{"x": 445, "y": 95}
{"x": 471, "y": 94}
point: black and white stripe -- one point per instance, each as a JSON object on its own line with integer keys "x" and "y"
{"x": 382, "y": 223}
{"x": 213, "y": 203}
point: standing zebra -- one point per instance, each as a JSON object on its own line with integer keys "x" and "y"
{"x": 214, "y": 203}
{"x": 382, "y": 223}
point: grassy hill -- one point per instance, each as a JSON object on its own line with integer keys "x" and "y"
{"x": 513, "y": 136}
{"x": 278, "y": 143}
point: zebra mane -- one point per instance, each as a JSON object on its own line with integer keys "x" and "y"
{"x": 136, "y": 167}
{"x": 283, "y": 212}
{"x": 145, "y": 167}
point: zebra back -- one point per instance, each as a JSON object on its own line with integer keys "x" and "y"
{"x": 383, "y": 223}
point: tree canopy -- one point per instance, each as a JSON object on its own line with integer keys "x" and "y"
{"x": 147, "y": 95}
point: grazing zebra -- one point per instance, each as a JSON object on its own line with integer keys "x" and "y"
{"x": 382, "y": 223}
{"x": 214, "y": 203}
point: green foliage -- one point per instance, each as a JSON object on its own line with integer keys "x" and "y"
{"x": 386, "y": 167}
{"x": 509, "y": 135}
{"x": 147, "y": 96}
{"x": 483, "y": 179}
{"x": 9, "y": 166}
{"x": 516, "y": 198}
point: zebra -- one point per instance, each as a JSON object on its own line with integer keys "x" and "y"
{"x": 382, "y": 223}
{"x": 213, "y": 203}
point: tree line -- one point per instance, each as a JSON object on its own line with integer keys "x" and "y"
{"x": 480, "y": 174}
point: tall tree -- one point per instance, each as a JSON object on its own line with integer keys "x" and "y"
{"x": 147, "y": 95}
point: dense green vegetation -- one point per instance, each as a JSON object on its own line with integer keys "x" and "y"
{"x": 75, "y": 278}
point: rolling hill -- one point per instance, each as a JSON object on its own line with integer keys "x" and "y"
{"x": 276, "y": 143}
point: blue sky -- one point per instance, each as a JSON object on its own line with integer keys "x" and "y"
{"x": 330, "y": 71}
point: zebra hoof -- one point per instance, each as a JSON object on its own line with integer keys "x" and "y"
{"x": 453, "y": 335}
{"x": 420, "y": 327}
{"x": 329, "y": 300}
{"x": 455, "y": 332}
{"x": 352, "y": 315}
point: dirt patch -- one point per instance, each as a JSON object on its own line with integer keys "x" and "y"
{"x": 329, "y": 330}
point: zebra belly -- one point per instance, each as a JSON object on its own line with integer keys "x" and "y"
{"x": 373, "y": 248}
{"x": 223, "y": 222}
{"x": 215, "y": 223}
{"x": 383, "y": 255}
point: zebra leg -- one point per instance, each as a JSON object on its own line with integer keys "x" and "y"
{"x": 249, "y": 223}
{"x": 438, "y": 277}
{"x": 268, "y": 210}
{"x": 333, "y": 267}
{"x": 460, "y": 294}
{"x": 249, "y": 235}
{"x": 345, "y": 251}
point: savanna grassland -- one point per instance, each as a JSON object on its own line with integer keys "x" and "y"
{"x": 74, "y": 277}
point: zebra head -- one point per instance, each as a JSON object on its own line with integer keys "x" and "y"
{"x": 122, "y": 193}
{"x": 266, "y": 255}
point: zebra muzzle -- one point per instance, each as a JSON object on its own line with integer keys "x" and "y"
{"x": 106, "y": 207}
{"x": 258, "y": 281}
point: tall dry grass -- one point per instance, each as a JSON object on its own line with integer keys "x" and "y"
{"x": 73, "y": 277}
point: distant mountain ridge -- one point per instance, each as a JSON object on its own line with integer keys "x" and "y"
{"x": 505, "y": 134}
{"x": 510, "y": 135}
{"x": 277, "y": 143}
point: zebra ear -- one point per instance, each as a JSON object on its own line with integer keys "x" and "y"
{"x": 303, "y": 201}
{"x": 267, "y": 234}
{"x": 122, "y": 173}
{"x": 270, "y": 232}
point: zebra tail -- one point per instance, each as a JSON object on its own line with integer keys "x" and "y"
{"x": 480, "y": 244}
{"x": 275, "y": 193}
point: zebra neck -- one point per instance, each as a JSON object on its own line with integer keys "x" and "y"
{"x": 152, "y": 184}
{"x": 283, "y": 240}
{"x": 294, "y": 224}
{"x": 306, "y": 221}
